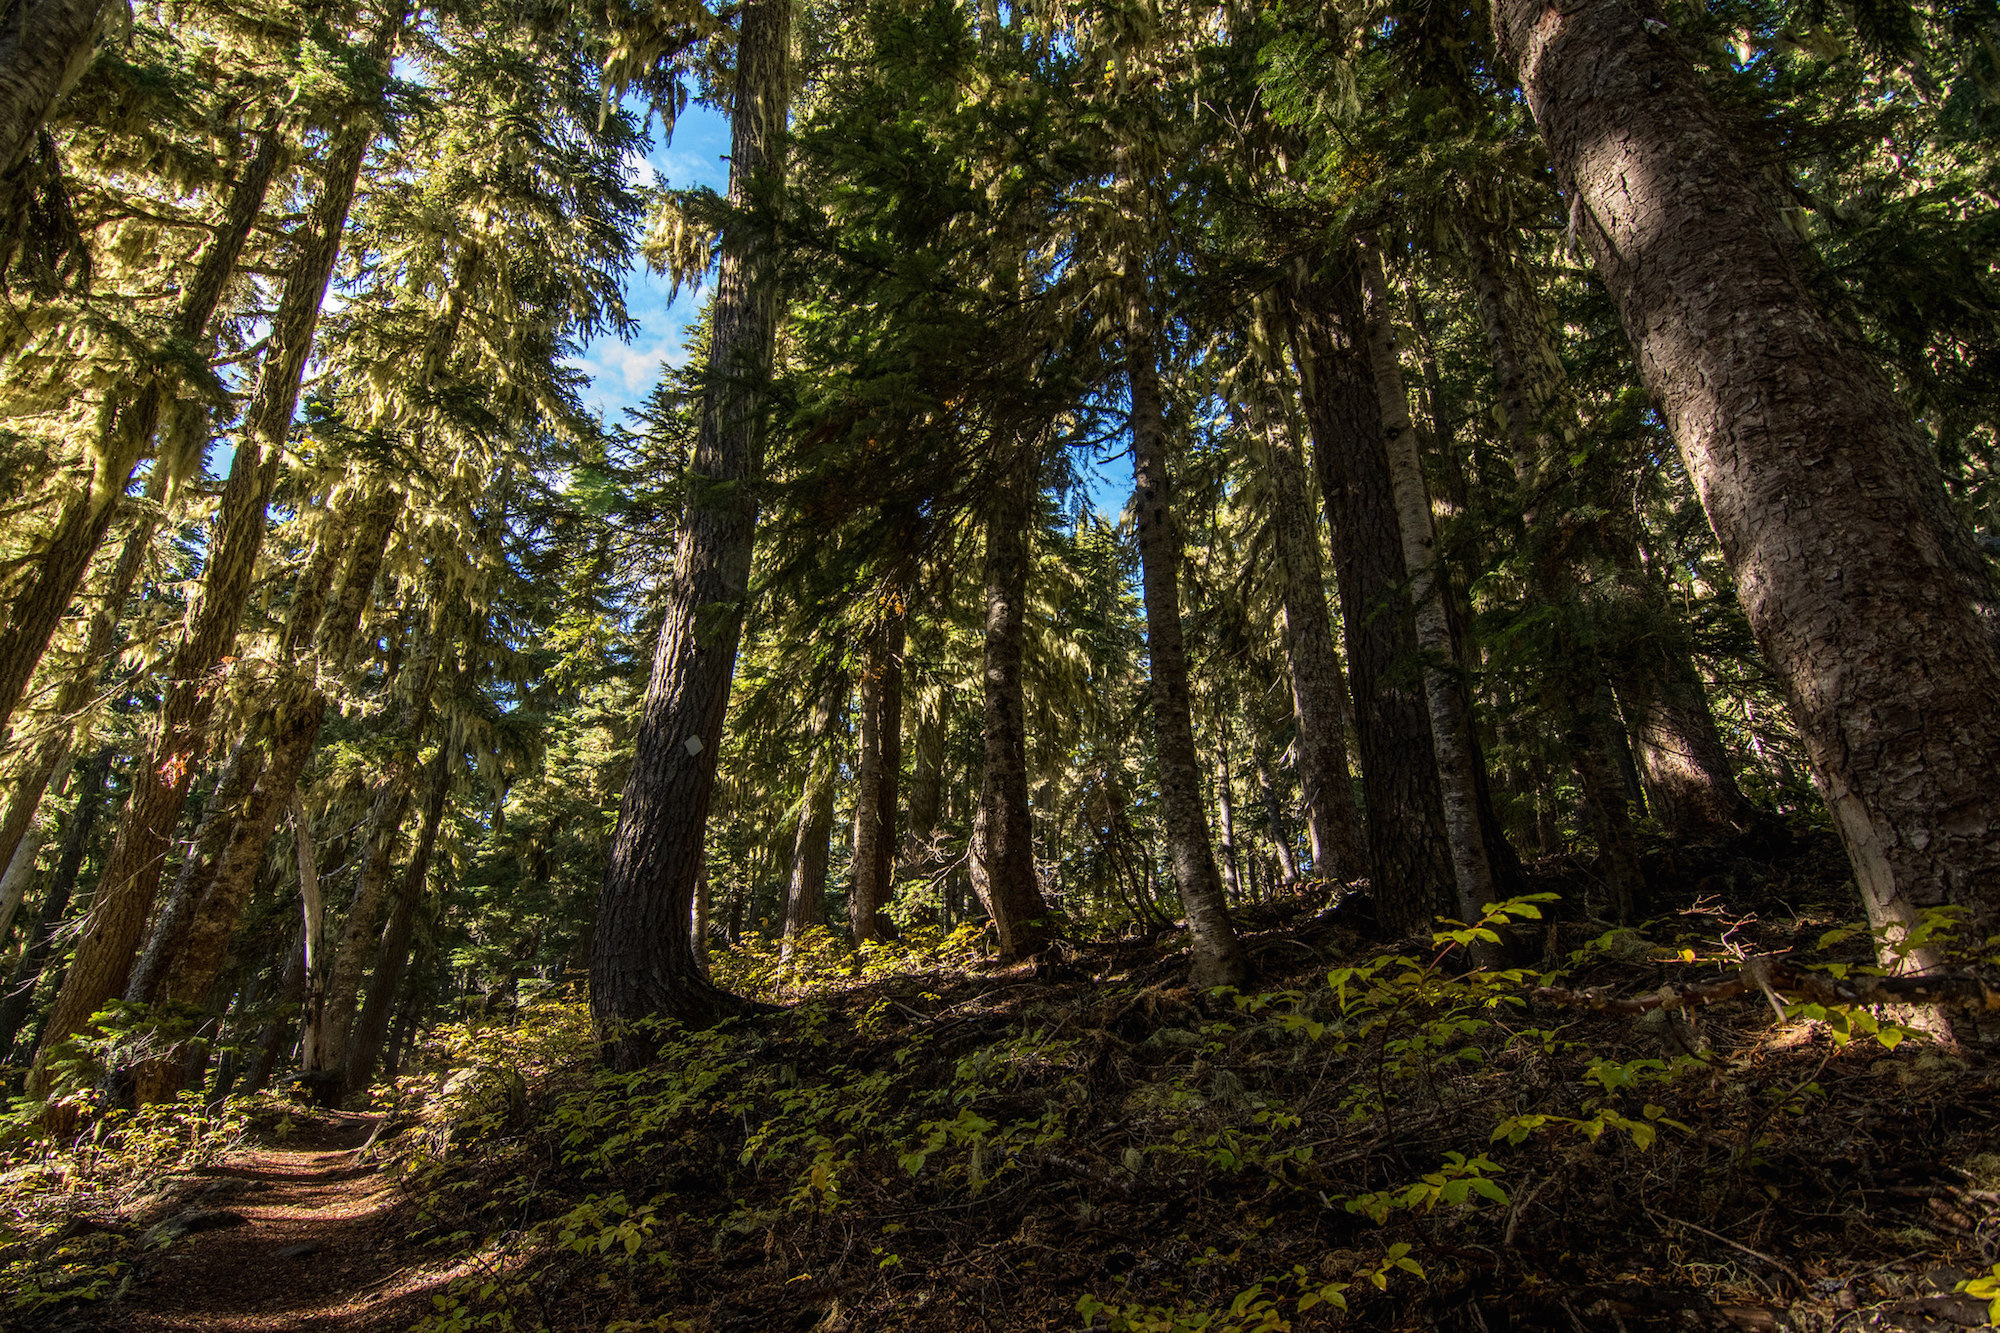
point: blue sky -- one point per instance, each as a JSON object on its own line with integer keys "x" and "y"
{"x": 621, "y": 373}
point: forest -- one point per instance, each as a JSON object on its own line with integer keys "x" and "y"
{"x": 1307, "y": 664}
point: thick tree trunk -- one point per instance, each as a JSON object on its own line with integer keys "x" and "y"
{"x": 393, "y": 954}
{"x": 20, "y": 994}
{"x": 1219, "y": 959}
{"x": 927, "y": 763}
{"x": 1002, "y": 851}
{"x": 876, "y": 780}
{"x": 1453, "y": 740}
{"x": 1689, "y": 781}
{"x": 38, "y": 604}
{"x": 45, "y": 46}
{"x": 1865, "y": 594}
{"x": 1410, "y": 869}
{"x": 191, "y": 938}
{"x": 642, "y": 964}
{"x": 1319, "y": 694}
{"x": 118, "y": 913}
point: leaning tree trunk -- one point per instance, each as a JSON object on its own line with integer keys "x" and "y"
{"x": 51, "y": 754}
{"x": 1865, "y": 594}
{"x": 1219, "y": 959}
{"x": 1319, "y": 694}
{"x": 81, "y": 523}
{"x": 642, "y": 962}
{"x": 1409, "y": 869}
{"x": 1453, "y": 741}
{"x": 45, "y": 46}
{"x": 392, "y": 956}
{"x": 1002, "y": 852}
{"x": 20, "y": 994}
{"x": 876, "y": 781}
{"x": 118, "y": 913}
{"x": 805, "y": 889}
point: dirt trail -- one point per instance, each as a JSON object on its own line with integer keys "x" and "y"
{"x": 317, "y": 1247}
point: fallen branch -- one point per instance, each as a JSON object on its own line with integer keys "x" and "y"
{"x": 1764, "y": 975}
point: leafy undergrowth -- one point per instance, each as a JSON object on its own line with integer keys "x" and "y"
{"x": 921, "y": 1140}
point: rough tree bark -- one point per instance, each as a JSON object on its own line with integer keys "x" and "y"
{"x": 1319, "y": 693}
{"x": 1218, "y": 959}
{"x": 1409, "y": 869}
{"x": 1863, "y": 589}
{"x": 45, "y": 47}
{"x": 1274, "y": 813}
{"x": 118, "y": 912}
{"x": 1002, "y": 852}
{"x": 642, "y": 963}
{"x": 1453, "y": 741}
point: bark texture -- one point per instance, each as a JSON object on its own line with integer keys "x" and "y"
{"x": 19, "y": 997}
{"x": 45, "y": 46}
{"x": 1319, "y": 692}
{"x": 118, "y": 913}
{"x": 392, "y": 955}
{"x": 1409, "y": 869}
{"x": 642, "y": 962}
{"x": 1454, "y": 743}
{"x": 1218, "y": 959}
{"x": 1864, "y": 591}
{"x": 1003, "y": 851}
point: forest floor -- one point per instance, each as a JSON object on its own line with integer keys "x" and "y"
{"x": 293, "y": 1231}
{"x": 923, "y": 1139}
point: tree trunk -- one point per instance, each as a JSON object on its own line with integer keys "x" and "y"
{"x": 118, "y": 913}
{"x": 45, "y": 47}
{"x": 876, "y": 780}
{"x": 312, "y": 1023}
{"x": 1453, "y": 741}
{"x": 1686, "y": 771}
{"x": 1225, "y": 808}
{"x": 1319, "y": 694}
{"x": 1863, "y": 589}
{"x": 1219, "y": 959}
{"x": 37, "y": 606}
{"x": 393, "y": 955}
{"x": 805, "y": 890}
{"x": 51, "y": 754}
{"x": 1411, "y": 873}
{"x": 191, "y": 939}
{"x": 642, "y": 964}
{"x": 1003, "y": 853}
{"x": 1274, "y": 813}
{"x": 927, "y": 764}
{"x": 271, "y": 1041}
{"x": 20, "y": 994}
